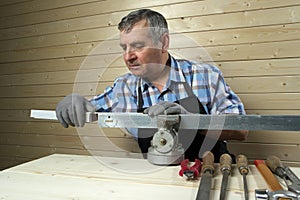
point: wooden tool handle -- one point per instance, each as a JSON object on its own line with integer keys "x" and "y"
{"x": 242, "y": 164}
{"x": 268, "y": 175}
{"x": 208, "y": 162}
{"x": 225, "y": 162}
{"x": 273, "y": 162}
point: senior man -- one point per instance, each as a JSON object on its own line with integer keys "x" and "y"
{"x": 159, "y": 84}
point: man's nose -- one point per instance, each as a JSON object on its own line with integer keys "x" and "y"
{"x": 129, "y": 54}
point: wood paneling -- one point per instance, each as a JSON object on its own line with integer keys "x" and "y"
{"x": 270, "y": 50}
{"x": 264, "y": 67}
{"x": 73, "y": 9}
{"x": 43, "y": 57}
{"x": 179, "y": 24}
{"x": 18, "y": 7}
{"x": 255, "y": 150}
{"x": 179, "y": 40}
{"x": 269, "y": 67}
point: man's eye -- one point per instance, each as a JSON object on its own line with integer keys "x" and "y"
{"x": 138, "y": 46}
{"x": 123, "y": 47}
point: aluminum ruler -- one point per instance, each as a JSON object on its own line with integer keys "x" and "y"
{"x": 187, "y": 121}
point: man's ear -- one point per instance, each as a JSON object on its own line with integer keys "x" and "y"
{"x": 165, "y": 38}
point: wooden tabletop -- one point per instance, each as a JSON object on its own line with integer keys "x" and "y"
{"x": 75, "y": 177}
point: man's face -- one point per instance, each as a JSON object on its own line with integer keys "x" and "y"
{"x": 142, "y": 56}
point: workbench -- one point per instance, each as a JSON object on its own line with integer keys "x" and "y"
{"x": 61, "y": 176}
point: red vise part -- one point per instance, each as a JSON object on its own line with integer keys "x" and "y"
{"x": 186, "y": 167}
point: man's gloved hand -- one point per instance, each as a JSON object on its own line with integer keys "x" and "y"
{"x": 71, "y": 110}
{"x": 165, "y": 108}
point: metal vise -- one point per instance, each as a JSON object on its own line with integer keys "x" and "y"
{"x": 165, "y": 148}
{"x": 276, "y": 195}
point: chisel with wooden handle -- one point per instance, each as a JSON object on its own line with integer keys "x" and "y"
{"x": 225, "y": 168}
{"x": 207, "y": 174}
{"x": 242, "y": 164}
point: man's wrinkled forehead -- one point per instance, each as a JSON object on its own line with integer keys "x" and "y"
{"x": 138, "y": 32}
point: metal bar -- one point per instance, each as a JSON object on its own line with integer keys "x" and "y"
{"x": 192, "y": 121}
{"x": 198, "y": 121}
{"x": 43, "y": 114}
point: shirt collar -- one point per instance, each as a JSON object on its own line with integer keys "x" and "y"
{"x": 176, "y": 74}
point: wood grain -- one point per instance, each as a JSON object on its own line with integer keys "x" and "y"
{"x": 43, "y": 57}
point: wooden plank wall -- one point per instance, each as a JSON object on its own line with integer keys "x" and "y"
{"x": 43, "y": 45}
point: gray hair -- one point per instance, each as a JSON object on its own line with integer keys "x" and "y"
{"x": 156, "y": 22}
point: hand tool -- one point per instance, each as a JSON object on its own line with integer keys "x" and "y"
{"x": 225, "y": 168}
{"x": 165, "y": 149}
{"x": 206, "y": 178}
{"x": 268, "y": 175}
{"x": 284, "y": 172}
{"x": 191, "y": 172}
{"x": 276, "y": 195}
{"x": 242, "y": 164}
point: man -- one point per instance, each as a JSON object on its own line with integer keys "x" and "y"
{"x": 159, "y": 84}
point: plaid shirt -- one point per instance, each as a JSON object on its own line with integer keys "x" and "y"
{"x": 206, "y": 82}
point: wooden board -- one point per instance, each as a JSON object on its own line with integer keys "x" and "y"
{"x": 85, "y": 177}
{"x": 54, "y": 128}
{"x": 38, "y": 11}
{"x": 39, "y": 129}
{"x": 285, "y": 49}
{"x": 178, "y": 25}
{"x": 81, "y": 76}
{"x": 269, "y": 101}
{"x": 263, "y": 67}
{"x": 71, "y": 9}
{"x": 204, "y": 38}
{"x": 6, "y": 3}
{"x": 106, "y": 76}
{"x": 253, "y": 151}
{"x": 269, "y": 67}
{"x": 34, "y": 152}
{"x": 10, "y": 161}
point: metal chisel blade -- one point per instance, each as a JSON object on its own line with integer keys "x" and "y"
{"x": 224, "y": 184}
{"x": 246, "y": 193}
{"x": 204, "y": 187}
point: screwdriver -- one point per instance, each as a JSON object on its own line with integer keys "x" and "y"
{"x": 242, "y": 164}
{"x": 206, "y": 178}
{"x": 225, "y": 168}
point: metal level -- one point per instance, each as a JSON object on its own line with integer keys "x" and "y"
{"x": 190, "y": 121}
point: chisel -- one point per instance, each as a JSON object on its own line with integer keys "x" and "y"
{"x": 242, "y": 164}
{"x": 207, "y": 173}
{"x": 225, "y": 168}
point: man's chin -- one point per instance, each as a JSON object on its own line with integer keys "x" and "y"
{"x": 135, "y": 72}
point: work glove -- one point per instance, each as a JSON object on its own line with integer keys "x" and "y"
{"x": 72, "y": 110}
{"x": 165, "y": 108}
